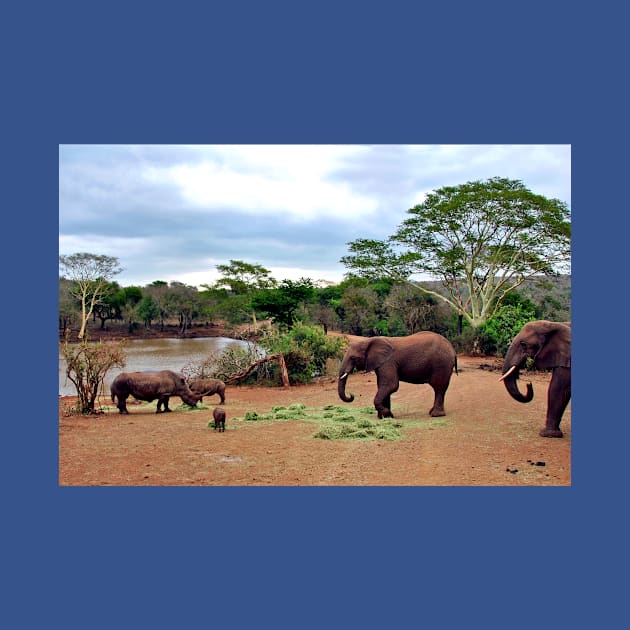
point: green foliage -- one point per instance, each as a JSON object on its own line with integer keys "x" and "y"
{"x": 282, "y": 301}
{"x": 503, "y": 327}
{"x": 480, "y": 239}
{"x": 243, "y": 278}
{"x": 306, "y": 349}
{"x": 148, "y": 310}
{"x": 494, "y": 336}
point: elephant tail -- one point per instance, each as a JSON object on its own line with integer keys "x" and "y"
{"x": 456, "y": 372}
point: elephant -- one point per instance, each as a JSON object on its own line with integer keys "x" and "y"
{"x": 219, "y": 419}
{"x": 549, "y": 345}
{"x": 424, "y": 357}
{"x": 208, "y": 387}
{"x": 149, "y": 386}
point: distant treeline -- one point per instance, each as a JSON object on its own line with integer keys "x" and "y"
{"x": 357, "y": 306}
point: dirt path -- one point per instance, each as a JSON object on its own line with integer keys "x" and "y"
{"x": 486, "y": 439}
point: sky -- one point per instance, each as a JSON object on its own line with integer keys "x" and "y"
{"x": 175, "y": 212}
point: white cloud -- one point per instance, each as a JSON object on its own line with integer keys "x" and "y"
{"x": 174, "y": 212}
{"x": 287, "y": 179}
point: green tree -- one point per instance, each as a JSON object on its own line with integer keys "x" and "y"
{"x": 282, "y": 302}
{"x": 184, "y": 302}
{"x": 90, "y": 273}
{"x": 158, "y": 291}
{"x": 243, "y": 279}
{"x": 482, "y": 239}
{"x": 111, "y": 303}
{"x": 359, "y": 307}
{"x": 148, "y": 310}
{"x": 132, "y": 297}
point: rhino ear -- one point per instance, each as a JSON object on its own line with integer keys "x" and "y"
{"x": 556, "y": 351}
{"x": 378, "y": 351}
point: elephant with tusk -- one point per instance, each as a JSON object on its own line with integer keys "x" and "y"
{"x": 549, "y": 345}
{"x": 424, "y": 357}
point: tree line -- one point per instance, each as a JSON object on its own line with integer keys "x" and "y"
{"x": 357, "y": 305}
{"x": 485, "y": 242}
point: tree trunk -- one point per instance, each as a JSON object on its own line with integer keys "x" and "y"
{"x": 283, "y": 369}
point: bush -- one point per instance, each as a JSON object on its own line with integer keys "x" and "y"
{"x": 87, "y": 365}
{"x": 306, "y": 350}
{"x": 499, "y": 331}
{"x": 494, "y": 337}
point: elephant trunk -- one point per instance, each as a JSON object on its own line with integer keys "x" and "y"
{"x": 509, "y": 378}
{"x": 341, "y": 387}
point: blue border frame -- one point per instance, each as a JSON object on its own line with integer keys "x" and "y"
{"x": 288, "y": 72}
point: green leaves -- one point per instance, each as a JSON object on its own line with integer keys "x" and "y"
{"x": 479, "y": 238}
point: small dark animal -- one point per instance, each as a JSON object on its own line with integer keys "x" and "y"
{"x": 149, "y": 386}
{"x": 219, "y": 419}
{"x": 208, "y": 387}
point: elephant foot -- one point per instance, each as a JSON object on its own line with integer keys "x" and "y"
{"x": 550, "y": 433}
{"x": 436, "y": 413}
{"x": 385, "y": 413}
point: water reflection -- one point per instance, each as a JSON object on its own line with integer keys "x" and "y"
{"x": 158, "y": 354}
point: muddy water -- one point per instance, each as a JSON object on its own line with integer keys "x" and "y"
{"x": 157, "y": 354}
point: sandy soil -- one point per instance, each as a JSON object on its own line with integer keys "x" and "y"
{"x": 487, "y": 439}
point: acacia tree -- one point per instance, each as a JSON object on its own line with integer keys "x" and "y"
{"x": 282, "y": 301}
{"x": 481, "y": 239}
{"x": 90, "y": 274}
{"x": 245, "y": 279}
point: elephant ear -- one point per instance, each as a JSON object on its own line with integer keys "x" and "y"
{"x": 378, "y": 351}
{"x": 556, "y": 352}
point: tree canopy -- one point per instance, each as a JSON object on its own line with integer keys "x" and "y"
{"x": 482, "y": 239}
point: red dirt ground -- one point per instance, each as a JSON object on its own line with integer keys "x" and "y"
{"x": 488, "y": 440}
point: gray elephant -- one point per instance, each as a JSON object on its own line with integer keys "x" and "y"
{"x": 208, "y": 387}
{"x": 424, "y": 357}
{"x": 549, "y": 345}
{"x": 149, "y": 386}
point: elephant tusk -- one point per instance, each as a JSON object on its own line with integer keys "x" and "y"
{"x": 508, "y": 373}
{"x": 344, "y": 375}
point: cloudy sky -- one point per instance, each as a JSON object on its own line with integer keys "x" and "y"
{"x": 174, "y": 212}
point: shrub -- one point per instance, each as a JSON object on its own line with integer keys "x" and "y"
{"x": 87, "y": 365}
{"x": 306, "y": 349}
{"x": 499, "y": 331}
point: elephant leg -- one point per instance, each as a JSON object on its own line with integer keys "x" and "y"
{"x": 438, "y": 402}
{"x": 383, "y": 398}
{"x": 558, "y": 397}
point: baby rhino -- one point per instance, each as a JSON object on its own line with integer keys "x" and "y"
{"x": 207, "y": 387}
{"x": 219, "y": 419}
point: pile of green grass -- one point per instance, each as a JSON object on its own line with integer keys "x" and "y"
{"x": 341, "y": 424}
{"x": 335, "y": 423}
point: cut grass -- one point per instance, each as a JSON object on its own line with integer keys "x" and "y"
{"x": 340, "y": 423}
